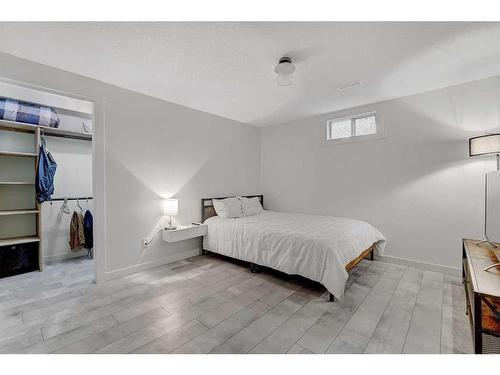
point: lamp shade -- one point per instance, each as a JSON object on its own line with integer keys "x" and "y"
{"x": 484, "y": 144}
{"x": 170, "y": 207}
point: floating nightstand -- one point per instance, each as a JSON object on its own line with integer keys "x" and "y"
{"x": 184, "y": 232}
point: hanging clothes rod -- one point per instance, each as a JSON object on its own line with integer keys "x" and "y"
{"x": 56, "y": 132}
{"x": 71, "y": 198}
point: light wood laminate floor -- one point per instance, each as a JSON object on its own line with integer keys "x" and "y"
{"x": 209, "y": 305}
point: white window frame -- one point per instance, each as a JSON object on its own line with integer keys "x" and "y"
{"x": 352, "y": 115}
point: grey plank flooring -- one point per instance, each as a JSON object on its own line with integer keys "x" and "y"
{"x": 297, "y": 349}
{"x": 206, "y": 304}
{"x": 455, "y": 332}
{"x": 424, "y": 333}
{"x": 287, "y": 334}
{"x": 248, "y": 337}
{"x": 390, "y": 334}
{"x": 356, "y": 334}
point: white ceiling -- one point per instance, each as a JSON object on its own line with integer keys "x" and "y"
{"x": 227, "y": 68}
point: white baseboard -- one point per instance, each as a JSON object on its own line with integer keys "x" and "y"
{"x": 151, "y": 264}
{"x": 63, "y": 256}
{"x": 188, "y": 254}
{"x": 417, "y": 264}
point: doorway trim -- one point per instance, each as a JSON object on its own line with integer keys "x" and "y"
{"x": 98, "y": 171}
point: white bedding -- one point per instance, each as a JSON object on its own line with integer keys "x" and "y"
{"x": 316, "y": 247}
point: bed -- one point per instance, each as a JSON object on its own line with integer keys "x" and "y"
{"x": 320, "y": 248}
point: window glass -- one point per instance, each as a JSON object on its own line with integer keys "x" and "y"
{"x": 365, "y": 125}
{"x": 351, "y": 127}
{"x": 340, "y": 129}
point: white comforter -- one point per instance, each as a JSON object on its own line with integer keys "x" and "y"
{"x": 316, "y": 247}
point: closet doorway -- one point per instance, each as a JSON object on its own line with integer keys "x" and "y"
{"x": 46, "y": 188}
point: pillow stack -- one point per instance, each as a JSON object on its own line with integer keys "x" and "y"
{"x": 231, "y": 208}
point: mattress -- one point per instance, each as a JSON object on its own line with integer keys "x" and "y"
{"x": 313, "y": 246}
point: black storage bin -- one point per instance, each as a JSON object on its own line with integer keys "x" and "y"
{"x": 17, "y": 259}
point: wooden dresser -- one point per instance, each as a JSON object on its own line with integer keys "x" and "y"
{"x": 482, "y": 291}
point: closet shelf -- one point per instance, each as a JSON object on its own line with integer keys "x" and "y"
{"x": 15, "y": 153}
{"x": 18, "y": 240}
{"x": 48, "y": 131}
{"x": 16, "y": 183}
{"x": 18, "y": 212}
{"x": 17, "y": 126}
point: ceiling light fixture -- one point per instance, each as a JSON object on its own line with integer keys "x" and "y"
{"x": 284, "y": 69}
{"x": 350, "y": 86}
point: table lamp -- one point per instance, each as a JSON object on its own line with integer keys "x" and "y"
{"x": 486, "y": 145}
{"x": 170, "y": 208}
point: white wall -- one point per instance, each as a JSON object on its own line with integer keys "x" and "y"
{"x": 417, "y": 185}
{"x": 156, "y": 150}
{"x": 55, "y": 230}
{"x": 73, "y": 179}
{"x": 146, "y": 149}
{"x": 74, "y": 166}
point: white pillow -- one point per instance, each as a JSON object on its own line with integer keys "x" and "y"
{"x": 251, "y": 206}
{"x": 228, "y": 208}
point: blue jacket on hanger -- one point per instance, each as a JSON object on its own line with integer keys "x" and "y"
{"x": 45, "y": 174}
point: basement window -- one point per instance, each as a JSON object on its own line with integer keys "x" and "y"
{"x": 362, "y": 125}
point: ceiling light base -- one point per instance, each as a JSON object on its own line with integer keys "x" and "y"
{"x": 284, "y": 69}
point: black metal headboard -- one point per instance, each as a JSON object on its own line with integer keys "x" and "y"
{"x": 207, "y": 205}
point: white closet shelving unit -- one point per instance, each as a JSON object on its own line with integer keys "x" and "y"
{"x": 28, "y": 208}
{"x": 31, "y": 207}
